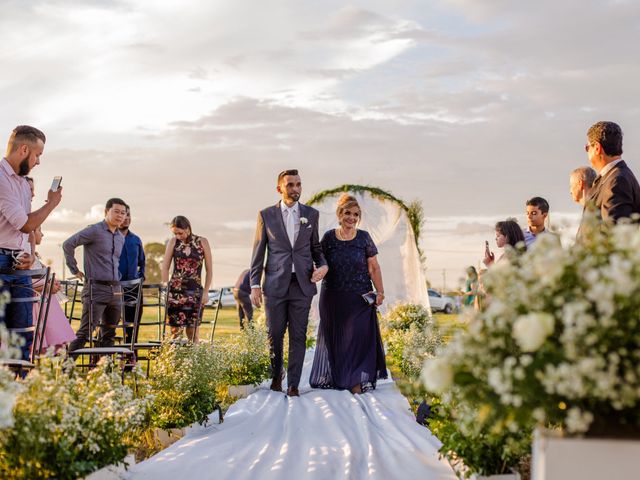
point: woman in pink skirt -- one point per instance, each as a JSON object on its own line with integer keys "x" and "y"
{"x": 58, "y": 331}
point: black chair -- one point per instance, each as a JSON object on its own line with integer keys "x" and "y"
{"x": 71, "y": 288}
{"x": 40, "y": 279}
{"x": 130, "y": 295}
{"x": 145, "y": 351}
{"x": 215, "y": 316}
{"x": 153, "y": 296}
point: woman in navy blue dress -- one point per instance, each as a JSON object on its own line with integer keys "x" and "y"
{"x": 349, "y": 353}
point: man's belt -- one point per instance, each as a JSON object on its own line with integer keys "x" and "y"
{"x": 111, "y": 283}
{"x": 8, "y": 251}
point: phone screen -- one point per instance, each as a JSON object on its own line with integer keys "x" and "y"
{"x": 56, "y": 184}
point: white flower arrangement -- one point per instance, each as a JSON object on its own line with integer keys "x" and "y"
{"x": 559, "y": 342}
{"x": 304, "y": 220}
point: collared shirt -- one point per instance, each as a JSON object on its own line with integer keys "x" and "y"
{"x": 102, "y": 250}
{"x": 292, "y": 210}
{"x": 15, "y": 206}
{"x": 530, "y": 237}
{"x": 132, "y": 258}
{"x": 608, "y": 167}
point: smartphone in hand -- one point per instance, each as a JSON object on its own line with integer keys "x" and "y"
{"x": 56, "y": 184}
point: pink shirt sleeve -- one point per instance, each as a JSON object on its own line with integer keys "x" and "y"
{"x": 11, "y": 207}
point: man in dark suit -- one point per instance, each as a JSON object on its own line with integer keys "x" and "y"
{"x": 287, "y": 234}
{"x": 615, "y": 193}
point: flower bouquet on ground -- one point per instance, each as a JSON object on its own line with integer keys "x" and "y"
{"x": 559, "y": 342}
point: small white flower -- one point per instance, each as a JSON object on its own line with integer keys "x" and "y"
{"x": 304, "y": 220}
{"x": 530, "y": 331}
{"x": 437, "y": 374}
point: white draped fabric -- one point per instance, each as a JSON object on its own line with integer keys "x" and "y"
{"x": 389, "y": 226}
{"x": 323, "y": 434}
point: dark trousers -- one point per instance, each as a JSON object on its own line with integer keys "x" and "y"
{"x": 129, "y": 317}
{"x": 291, "y": 311}
{"x": 17, "y": 315}
{"x": 106, "y": 309}
{"x": 245, "y": 308}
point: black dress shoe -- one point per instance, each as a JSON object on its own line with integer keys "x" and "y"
{"x": 276, "y": 385}
{"x": 293, "y": 392}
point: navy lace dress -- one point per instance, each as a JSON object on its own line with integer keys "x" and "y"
{"x": 349, "y": 348}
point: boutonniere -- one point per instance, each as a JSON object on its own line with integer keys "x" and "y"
{"x": 304, "y": 220}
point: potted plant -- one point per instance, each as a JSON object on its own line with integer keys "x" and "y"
{"x": 183, "y": 381}
{"x": 245, "y": 359}
{"x": 67, "y": 425}
{"x": 559, "y": 344}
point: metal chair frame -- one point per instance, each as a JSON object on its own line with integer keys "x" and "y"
{"x": 126, "y": 351}
{"x": 76, "y": 285}
{"x": 39, "y": 323}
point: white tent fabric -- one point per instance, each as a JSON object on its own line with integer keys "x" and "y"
{"x": 323, "y": 434}
{"x": 389, "y": 226}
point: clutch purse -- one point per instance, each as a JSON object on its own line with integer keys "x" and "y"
{"x": 369, "y": 298}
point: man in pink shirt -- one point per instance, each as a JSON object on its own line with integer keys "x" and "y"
{"x": 24, "y": 149}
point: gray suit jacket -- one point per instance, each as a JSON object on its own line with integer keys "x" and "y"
{"x": 616, "y": 195}
{"x": 272, "y": 241}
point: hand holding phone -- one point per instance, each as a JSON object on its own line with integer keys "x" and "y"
{"x": 488, "y": 256}
{"x": 56, "y": 183}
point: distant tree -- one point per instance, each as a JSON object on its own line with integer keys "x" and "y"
{"x": 154, "y": 252}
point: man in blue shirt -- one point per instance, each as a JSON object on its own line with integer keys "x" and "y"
{"x": 132, "y": 261}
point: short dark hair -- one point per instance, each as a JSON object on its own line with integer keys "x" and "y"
{"x": 284, "y": 173}
{"x": 511, "y": 230}
{"x": 25, "y": 134}
{"x": 607, "y": 134}
{"x": 114, "y": 201}
{"x": 539, "y": 202}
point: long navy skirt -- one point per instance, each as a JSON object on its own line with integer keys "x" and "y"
{"x": 349, "y": 349}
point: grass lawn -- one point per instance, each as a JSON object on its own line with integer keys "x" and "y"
{"x": 227, "y": 323}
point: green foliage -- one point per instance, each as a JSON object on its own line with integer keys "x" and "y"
{"x": 245, "y": 357}
{"x": 403, "y": 315}
{"x": 183, "y": 380}
{"x": 154, "y": 253}
{"x": 476, "y": 449}
{"x": 66, "y": 425}
{"x": 414, "y": 210}
{"x": 408, "y": 348}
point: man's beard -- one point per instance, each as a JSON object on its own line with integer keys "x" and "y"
{"x": 24, "y": 169}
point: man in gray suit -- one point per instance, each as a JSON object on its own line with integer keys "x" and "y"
{"x": 287, "y": 234}
{"x": 615, "y": 193}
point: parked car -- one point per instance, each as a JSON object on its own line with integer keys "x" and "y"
{"x": 227, "y": 297}
{"x": 441, "y": 303}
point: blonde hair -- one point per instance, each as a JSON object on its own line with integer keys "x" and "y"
{"x": 345, "y": 202}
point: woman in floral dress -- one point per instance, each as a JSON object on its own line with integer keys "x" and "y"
{"x": 186, "y": 294}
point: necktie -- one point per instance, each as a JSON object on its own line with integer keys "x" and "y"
{"x": 291, "y": 228}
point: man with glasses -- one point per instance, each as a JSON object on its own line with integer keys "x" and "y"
{"x": 132, "y": 264}
{"x": 17, "y": 223}
{"x": 102, "y": 244}
{"x": 615, "y": 193}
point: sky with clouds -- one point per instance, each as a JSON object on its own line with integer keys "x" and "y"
{"x": 192, "y": 107}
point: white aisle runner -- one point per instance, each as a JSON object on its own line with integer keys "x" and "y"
{"x": 323, "y": 434}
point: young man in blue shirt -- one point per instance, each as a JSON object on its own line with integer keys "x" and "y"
{"x": 131, "y": 267}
